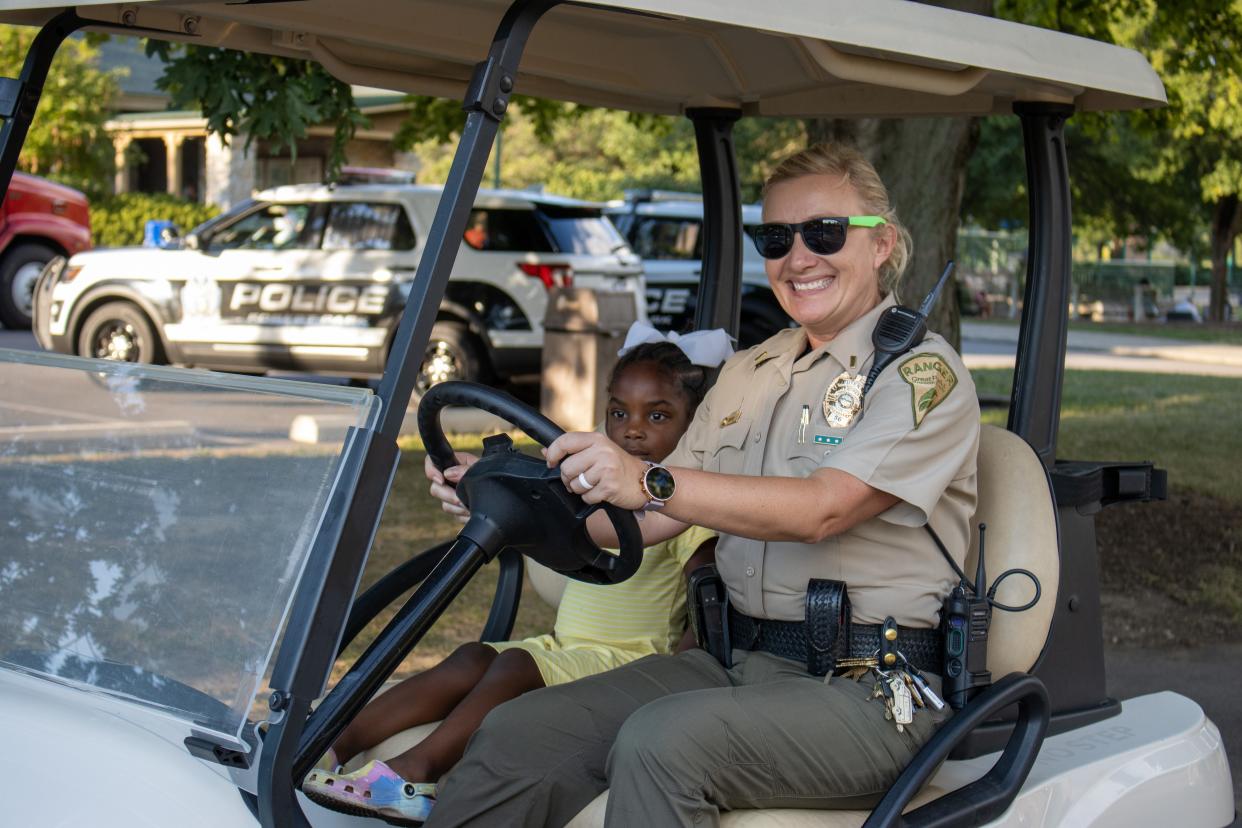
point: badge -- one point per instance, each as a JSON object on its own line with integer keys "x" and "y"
{"x": 730, "y": 419}
{"x": 843, "y": 400}
{"x": 931, "y": 379}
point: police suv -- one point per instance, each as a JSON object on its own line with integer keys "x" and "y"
{"x": 314, "y": 277}
{"x": 666, "y": 229}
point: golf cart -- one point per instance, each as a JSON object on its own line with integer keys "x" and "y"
{"x": 170, "y": 547}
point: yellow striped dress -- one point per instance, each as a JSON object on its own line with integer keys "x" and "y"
{"x": 602, "y": 627}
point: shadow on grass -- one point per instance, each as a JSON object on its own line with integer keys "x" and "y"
{"x": 1171, "y": 572}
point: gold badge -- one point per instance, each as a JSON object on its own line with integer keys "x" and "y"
{"x": 730, "y": 419}
{"x": 843, "y": 400}
{"x": 931, "y": 379}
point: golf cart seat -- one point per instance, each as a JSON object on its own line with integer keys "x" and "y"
{"x": 1015, "y": 501}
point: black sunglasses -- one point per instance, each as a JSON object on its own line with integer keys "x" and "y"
{"x": 822, "y": 236}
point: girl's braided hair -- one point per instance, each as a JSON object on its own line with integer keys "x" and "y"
{"x": 673, "y": 362}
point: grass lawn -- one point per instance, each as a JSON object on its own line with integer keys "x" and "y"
{"x": 1186, "y": 424}
{"x": 1181, "y": 556}
{"x": 1225, "y": 333}
{"x": 1171, "y": 571}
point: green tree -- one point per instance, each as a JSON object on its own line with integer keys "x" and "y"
{"x": 67, "y": 141}
{"x": 1193, "y": 150}
{"x": 1110, "y": 200}
{"x": 599, "y": 153}
{"x": 252, "y": 95}
{"x": 922, "y": 161}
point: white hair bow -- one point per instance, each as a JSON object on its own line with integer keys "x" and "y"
{"x": 706, "y": 348}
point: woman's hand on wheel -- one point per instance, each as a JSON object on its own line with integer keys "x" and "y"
{"x": 443, "y": 484}
{"x": 598, "y": 470}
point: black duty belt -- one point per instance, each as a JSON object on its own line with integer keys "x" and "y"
{"x": 923, "y": 648}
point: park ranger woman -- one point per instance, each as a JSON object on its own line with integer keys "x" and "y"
{"x": 821, "y": 489}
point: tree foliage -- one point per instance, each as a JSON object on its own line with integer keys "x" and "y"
{"x": 598, "y": 154}
{"x": 1169, "y": 170}
{"x": 67, "y": 141}
{"x": 267, "y": 97}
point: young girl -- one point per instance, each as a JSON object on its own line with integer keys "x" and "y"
{"x": 653, "y": 393}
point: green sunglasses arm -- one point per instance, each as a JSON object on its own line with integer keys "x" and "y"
{"x": 866, "y": 221}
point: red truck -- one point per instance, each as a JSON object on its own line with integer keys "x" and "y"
{"x": 39, "y": 220}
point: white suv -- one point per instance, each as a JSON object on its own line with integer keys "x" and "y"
{"x": 665, "y": 229}
{"x": 314, "y": 278}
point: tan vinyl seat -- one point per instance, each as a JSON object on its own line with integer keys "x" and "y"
{"x": 1015, "y": 501}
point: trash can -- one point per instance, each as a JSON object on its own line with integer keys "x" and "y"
{"x": 582, "y": 332}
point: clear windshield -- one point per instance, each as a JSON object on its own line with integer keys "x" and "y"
{"x": 156, "y": 523}
{"x": 577, "y": 230}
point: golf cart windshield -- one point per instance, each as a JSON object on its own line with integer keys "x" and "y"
{"x": 156, "y": 524}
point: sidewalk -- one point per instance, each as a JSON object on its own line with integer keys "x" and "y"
{"x": 1176, "y": 350}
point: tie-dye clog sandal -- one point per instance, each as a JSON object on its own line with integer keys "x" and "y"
{"x": 373, "y": 790}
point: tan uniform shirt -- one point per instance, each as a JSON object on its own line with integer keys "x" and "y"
{"x": 915, "y": 437}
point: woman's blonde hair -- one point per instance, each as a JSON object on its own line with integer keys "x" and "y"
{"x": 848, "y": 163}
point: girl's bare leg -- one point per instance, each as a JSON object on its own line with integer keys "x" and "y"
{"x": 426, "y": 697}
{"x": 512, "y": 673}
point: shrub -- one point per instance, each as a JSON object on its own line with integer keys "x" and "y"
{"x": 118, "y": 221}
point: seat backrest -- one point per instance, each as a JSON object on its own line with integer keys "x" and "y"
{"x": 549, "y": 583}
{"x": 1015, "y": 501}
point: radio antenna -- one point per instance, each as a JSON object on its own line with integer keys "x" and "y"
{"x": 926, "y": 307}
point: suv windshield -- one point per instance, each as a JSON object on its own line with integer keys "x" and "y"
{"x": 670, "y": 238}
{"x": 577, "y": 230}
{"x": 546, "y": 229}
{"x": 156, "y": 524}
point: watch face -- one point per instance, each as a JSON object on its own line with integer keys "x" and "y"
{"x": 659, "y": 482}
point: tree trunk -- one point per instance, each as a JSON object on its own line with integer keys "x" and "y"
{"x": 1226, "y": 217}
{"x": 922, "y": 161}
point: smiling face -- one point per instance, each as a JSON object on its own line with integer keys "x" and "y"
{"x": 824, "y": 294}
{"x": 647, "y": 411}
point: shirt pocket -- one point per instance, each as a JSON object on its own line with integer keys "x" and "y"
{"x": 727, "y": 451}
{"x": 803, "y": 459}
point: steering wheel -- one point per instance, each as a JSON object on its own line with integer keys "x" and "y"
{"x": 516, "y": 501}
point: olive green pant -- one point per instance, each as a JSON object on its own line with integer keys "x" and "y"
{"x": 678, "y": 739}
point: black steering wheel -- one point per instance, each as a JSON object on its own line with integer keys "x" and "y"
{"x": 516, "y": 501}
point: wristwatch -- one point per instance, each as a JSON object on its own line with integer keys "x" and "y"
{"x": 658, "y": 485}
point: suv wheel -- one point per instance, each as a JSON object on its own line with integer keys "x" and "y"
{"x": 452, "y": 353}
{"x": 119, "y": 331}
{"x": 18, "y": 273}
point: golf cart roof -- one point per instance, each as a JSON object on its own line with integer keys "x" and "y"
{"x": 798, "y": 58}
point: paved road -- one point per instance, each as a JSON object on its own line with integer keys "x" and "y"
{"x": 989, "y": 345}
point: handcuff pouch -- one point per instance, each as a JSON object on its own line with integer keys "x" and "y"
{"x": 707, "y": 600}
{"x": 827, "y": 625}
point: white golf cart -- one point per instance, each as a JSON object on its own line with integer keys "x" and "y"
{"x": 169, "y": 546}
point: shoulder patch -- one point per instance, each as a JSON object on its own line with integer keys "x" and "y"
{"x": 931, "y": 379}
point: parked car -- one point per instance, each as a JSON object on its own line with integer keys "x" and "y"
{"x": 314, "y": 277}
{"x": 39, "y": 220}
{"x": 666, "y": 230}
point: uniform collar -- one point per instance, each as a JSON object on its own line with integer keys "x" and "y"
{"x": 854, "y": 341}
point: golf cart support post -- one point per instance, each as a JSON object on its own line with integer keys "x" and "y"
{"x": 296, "y": 737}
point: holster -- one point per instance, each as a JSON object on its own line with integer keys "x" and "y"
{"x": 707, "y": 602}
{"x": 827, "y": 625}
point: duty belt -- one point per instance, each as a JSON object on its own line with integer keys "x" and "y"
{"x": 922, "y": 648}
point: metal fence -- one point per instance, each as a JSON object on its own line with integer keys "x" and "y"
{"x": 991, "y": 268}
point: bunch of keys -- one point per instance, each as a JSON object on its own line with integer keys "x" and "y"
{"x": 902, "y": 689}
{"x": 895, "y": 688}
